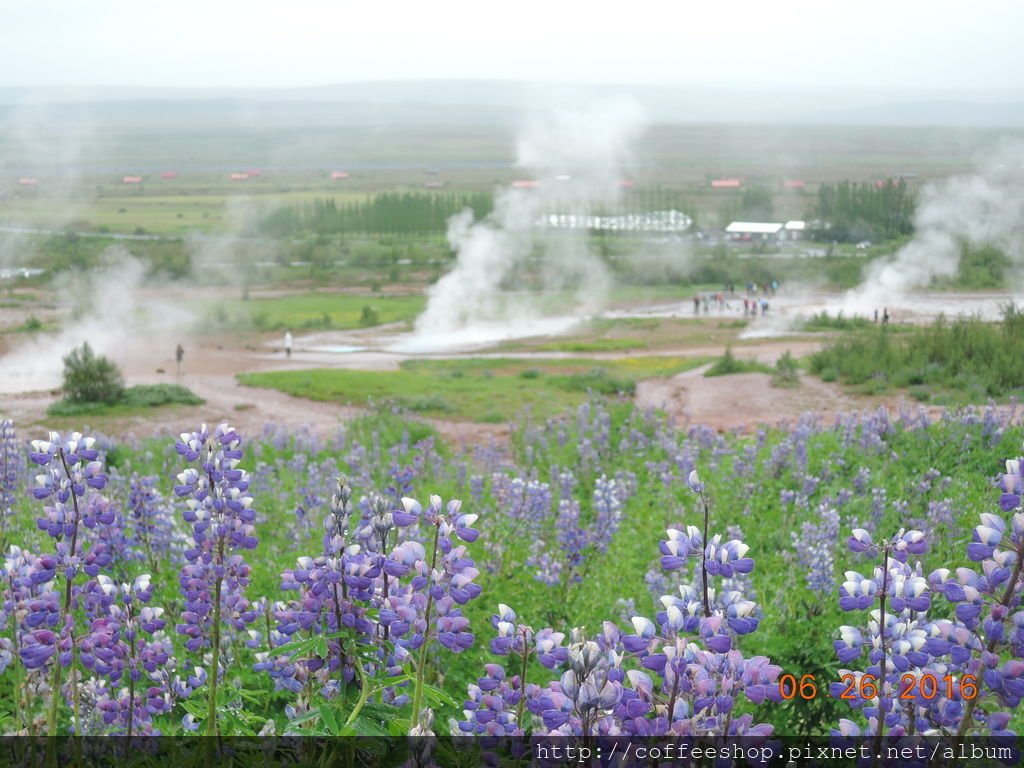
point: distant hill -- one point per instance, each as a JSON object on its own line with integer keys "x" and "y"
{"x": 504, "y": 103}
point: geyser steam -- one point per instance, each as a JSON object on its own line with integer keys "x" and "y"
{"x": 577, "y": 158}
{"x": 109, "y": 310}
{"x": 979, "y": 209}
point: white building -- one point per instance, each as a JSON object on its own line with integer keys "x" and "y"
{"x": 755, "y": 230}
{"x": 795, "y": 229}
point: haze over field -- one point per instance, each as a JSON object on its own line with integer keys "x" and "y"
{"x": 907, "y": 63}
{"x": 911, "y": 44}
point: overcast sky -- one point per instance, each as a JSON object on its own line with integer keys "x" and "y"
{"x": 933, "y": 44}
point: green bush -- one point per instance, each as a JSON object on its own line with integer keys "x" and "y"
{"x": 141, "y": 396}
{"x": 425, "y": 403}
{"x": 982, "y": 268}
{"x": 787, "y": 372}
{"x": 91, "y": 379}
{"x": 32, "y": 325}
{"x": 599, "y": 381}
{"x": 727, "y": 364}
{"x": 823, "y": 321}
{"x": 967, "y": 355}
{"x": 369, "y": 317}
{"x": 154, "y": 395}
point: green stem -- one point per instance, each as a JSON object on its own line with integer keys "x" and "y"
{"x": 421, "y": 665}
{"x": 211, "y": 715}
{"x": 364, "y": 694}
{"x": 51, "y": 722}
{"x": 704, "y": 555}
{"x": 131, "y": 704}
{"x": 965, "y": 720}
{"x": 522, "y": 683}
{"x": 19, "y": 681}
{"x": 880, "y": 725}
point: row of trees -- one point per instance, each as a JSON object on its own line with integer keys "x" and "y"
{"x": 389, "y": 213}
{"x": 427, "y": 212}
{"x": 852, "y": 211}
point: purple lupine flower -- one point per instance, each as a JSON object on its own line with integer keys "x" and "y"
{"x": 70, "y": 484}
{"x": 10, "y": 472}
{"x": 896, "y": 636}
{"x": 985, "y": 638}
{"x": 150, "y": 521}
{"x": 524, "y": 505}
{"x": 682, "y": 686}
{"x": 219, "y": 511}
{"x": 815, "y": 547}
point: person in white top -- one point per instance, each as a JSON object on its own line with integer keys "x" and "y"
{"x": 288, "y": 343}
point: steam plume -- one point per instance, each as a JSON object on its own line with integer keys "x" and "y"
{"x": 983, "y": 208}
{"x": 109, "y": 309}
{"x": 578, "y": 158}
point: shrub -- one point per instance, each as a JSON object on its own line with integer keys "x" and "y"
{"x": 32, "y": 325}
{"x": 599, "y": 381}
{"x": 91, "y": 379}
{"x": 141, "y": 396}
{"x": 728, "y": 364}
{"x": 787, "y": 373}
{"x": 823, "y": 321}
{"x": 369, "y": 317}
{"x": 975, "y": 358}
{"x": 154, "y": 395}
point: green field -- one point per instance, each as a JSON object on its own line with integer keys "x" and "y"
{"x": 296, "y": 163}
{"x": 313, "y": 311}
{"x": 490, "y": 390}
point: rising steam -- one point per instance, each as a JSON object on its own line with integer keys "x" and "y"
{"x": 979, "y": 209}
{"x": 110, "y": 309}
{"x": 512, "y": 278}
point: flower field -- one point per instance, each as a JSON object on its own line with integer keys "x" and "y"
{"x": 604, "y": 574}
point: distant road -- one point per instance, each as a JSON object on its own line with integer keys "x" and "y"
{"x": 108, "y": 235}
{"x": 9, "y": 230}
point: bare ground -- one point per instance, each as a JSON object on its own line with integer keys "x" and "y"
{"x": 210, "y": 367}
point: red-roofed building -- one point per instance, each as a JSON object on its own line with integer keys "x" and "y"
{"x": 238, "y": 176}
{"x": 794, "y": 184}
{"x": 169, "y": 175}
{"x": 627, "y": 184}
{"x": 525, "y": 184}
{"x": 254, "y": 173}
{"x": 131, "y": 180}
{"x": 726, "y": 183}
{"x": 336, "y": 175}
{"x": 27, "y": 181}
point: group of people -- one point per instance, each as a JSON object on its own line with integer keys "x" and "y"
{"x": 751, "y": 303}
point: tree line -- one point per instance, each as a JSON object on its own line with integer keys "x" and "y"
{"x": 388, "y": 213}
{"x": 852, "y": 211}
{"x": 427, "y": 212}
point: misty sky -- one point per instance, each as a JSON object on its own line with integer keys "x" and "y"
{"x": 934, "y": 44}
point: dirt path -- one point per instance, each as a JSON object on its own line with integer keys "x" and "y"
{"x": 210, "y": 368}
{"x": 742, "y": 400}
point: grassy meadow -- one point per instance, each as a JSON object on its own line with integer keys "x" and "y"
{"x": 485, "y": 390}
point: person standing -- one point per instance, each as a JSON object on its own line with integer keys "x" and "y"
{"x": 287, "y": 343}
{"x": 179, "y": 355}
